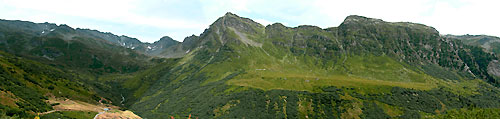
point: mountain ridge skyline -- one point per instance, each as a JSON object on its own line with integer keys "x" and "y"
{"x": 197, "y": 34}
{"x": 150, "y": 20}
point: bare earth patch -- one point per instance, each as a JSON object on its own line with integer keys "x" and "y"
{"x": 118, "y": 115}
{"x": 7, "y": 98}
{"x": 73, "y": 105}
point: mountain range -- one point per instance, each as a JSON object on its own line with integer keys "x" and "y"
{"x": 238, "y": 68}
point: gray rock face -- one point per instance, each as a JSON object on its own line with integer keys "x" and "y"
{"x": 490, "y": 43}
{"x": 494, "y": 68}
{"x": 355, "y": 19}
{"x": 242, "y": 24}
{"x": 190, "y": 42}
{"x": 160, "y": 46}
{"x": 124, "y": 41}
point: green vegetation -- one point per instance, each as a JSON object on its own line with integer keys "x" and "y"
{"x": 470, "y": 113}
{"x": 27, "y": 84}
{"x": 359, "y": 70}
{"x": 69, "y": 115}
{"x": 132, "y": 86}
{"x": 490, "y": 43}
{"x": 372, "y": 73}
{"x": 68, "y": 48}
{"x": 237, "y": 68}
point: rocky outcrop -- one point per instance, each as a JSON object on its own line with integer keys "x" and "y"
{"x": 494, "y": 68}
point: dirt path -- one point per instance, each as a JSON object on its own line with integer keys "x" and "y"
{"x": 97, "y": 115}
{"x": 118, "y": 115}
{"x": 104, "y": 111}
{"x": 44, "y": 113}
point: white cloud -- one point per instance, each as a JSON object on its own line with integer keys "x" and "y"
{"x": 475, "y": 17}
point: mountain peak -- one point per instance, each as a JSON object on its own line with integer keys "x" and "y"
{"x": 356, "y": 17}
{"x": 355, "y": 21}
{"x": 233, "y": 24}
{"x": 166, "y": 40}
{"x": 361, "y": 19}
{"x": 277, "y": 26}
{"x": 229, "y": 14}
{"x": 235, "y": 21}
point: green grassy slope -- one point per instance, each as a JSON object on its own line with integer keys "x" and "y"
{"x": 366, "y": 68}
{"x": 132, "y": 86}
{"x": 68, "y": 48}
{"x": 69, "y": 115}
{"x": 26, "y": 85}
{"x": 85, "y": 55}
{"x": 490, "y": 43}
{"x": 237, "y": 68}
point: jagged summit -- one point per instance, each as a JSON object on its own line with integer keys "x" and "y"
{"x": 235, "y": 21}
{"x": 275, "y": 26}
{"x": 229, "y": 14}
{"x": 356, "y": 22}
{"x": 232, "y": 28}
{"x": 356, "y": 19}
{"x": 165, "y": 38}
{"x": 165, "y": 41}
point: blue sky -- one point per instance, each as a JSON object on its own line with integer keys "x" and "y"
{"x": 149, "y": 20}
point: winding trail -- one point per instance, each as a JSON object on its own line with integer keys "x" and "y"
{"x": 44, "y": 113}
{"x": 97, "y": 115}
{"x": 123, "y": 99}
